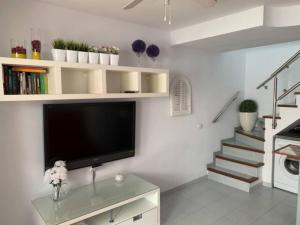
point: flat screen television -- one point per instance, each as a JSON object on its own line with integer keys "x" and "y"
{"x": 88, "y": 134}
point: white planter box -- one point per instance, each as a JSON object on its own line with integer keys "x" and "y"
{"x": 248, "y": 120}
{"x": 83, "y": 57}
{"x": 104, "y": 59}
{"x": 114, "y": 59}
{"x": 93, "y": 58}
{"x": 72, "y": 56}
{"x": 59, "y": 55}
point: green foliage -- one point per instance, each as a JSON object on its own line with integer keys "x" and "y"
{"x": 83, "y": 47}
{"x": 104, "y": 50}
{"x": 72, "y": 45}
{"x": 59, "y": 44}
{"x": 114, "y": 50}
{"x": 93, "y": 49}
{"x": 248, "y": 106}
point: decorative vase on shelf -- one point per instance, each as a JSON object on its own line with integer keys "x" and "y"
{"x": 93, "y": 58}
{"x": 59, "y": 55}
{"x": 83, "y": 57}
{"x": 72, "y": 56}
{"x": 104, "y": 59}
{"x": 139, "y": 47}
{"x": 114, "y": 59}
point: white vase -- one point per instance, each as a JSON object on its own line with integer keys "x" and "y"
{"x": 104, "y": 59}
{"x": 248, "y": 120}
{"x": 72, "y": 56}
{"x": 83, "y": 57}
{"x": 93, "y": 58}
{"x": 59, "y": 55}
{"x": 114, "y": 59}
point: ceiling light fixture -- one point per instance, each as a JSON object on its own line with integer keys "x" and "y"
{"x": 167, "y": 7}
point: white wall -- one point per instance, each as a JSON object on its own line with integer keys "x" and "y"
{"x": 261, "y": 62}
{"x": 170, "y": 151}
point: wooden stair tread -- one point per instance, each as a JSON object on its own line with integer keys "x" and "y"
{"x": 239, "y": 160}
{"x": 270, "y": 117}
{"x": 258, "y": 135}
{"x": 297, "y": 93}
{"x": 288, "y": 105}
{"x": 240, "y": 145}
{"x": 229, "y": 173}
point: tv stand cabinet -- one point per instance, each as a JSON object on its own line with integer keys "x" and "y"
{"x": 132, "y": 202}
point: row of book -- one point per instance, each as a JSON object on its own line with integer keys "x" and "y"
{"x": 18, "y": 80}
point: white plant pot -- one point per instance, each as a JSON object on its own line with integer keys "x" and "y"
{"x": 59, "y": 55}
{"x": 93, "y": 58}
{"x": 114, "y": 59}
{"x": 104, "y": 59}
{"x": 248, "y": 120}
{"x": 83, "y": 57}
{"x": 72, "y": 56}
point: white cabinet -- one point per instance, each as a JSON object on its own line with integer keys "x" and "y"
{"x": 132, "y": 202}
{"x": 147, "y": 218}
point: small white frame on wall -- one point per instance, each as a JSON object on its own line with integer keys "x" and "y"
{"x": 180, "y": 96}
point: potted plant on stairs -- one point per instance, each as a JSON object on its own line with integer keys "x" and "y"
{"x": 248, "y": 114}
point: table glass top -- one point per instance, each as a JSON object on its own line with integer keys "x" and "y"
{"x": 90, "y": 198}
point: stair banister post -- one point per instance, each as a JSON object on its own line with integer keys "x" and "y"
{"x": 274, "y": 122}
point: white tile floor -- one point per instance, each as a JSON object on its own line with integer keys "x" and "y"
{"x": 209, "y": 203}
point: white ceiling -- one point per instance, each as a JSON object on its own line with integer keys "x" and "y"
{"x": 150, "y": 12}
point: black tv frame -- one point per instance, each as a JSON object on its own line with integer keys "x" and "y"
{"x": 90, "y": 161}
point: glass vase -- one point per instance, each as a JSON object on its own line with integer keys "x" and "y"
{"x": 56, "y": 193}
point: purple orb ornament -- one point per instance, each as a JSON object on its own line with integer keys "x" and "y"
{"x": 139, "y": 47}
{"x": 153, "y": 51}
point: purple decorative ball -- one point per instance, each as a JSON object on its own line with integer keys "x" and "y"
{"x": 139, "y": 46}
{"x": 153, "y": 51}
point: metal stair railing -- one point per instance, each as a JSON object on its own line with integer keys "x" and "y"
{"x": 274, "y": 77}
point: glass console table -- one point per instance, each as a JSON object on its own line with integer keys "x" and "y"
{"x": 105, "y": 202}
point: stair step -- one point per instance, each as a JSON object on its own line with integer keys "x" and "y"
{"x": 256, "y": 134}
{"x": 242, "y": 161}
{"x": 240, "y": 145}
{"x": 288, "y": 105}
{"x": 229, "y": 173}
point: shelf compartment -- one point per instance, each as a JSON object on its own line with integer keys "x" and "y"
{"x": 122, "y": 81}
{"x": 154, "y": 82}
{"x": 82, "y": 81}
{"x": 124, "y": 213}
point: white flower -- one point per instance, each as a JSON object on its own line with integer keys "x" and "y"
{"x": 47, "y": 176}
{"x": 60, "y": 164}
{"x": 55, "y": 181}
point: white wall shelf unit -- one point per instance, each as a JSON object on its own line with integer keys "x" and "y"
{"x": 74, "y": 81}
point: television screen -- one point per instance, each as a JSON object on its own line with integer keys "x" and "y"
{"x": 88, "y": 134}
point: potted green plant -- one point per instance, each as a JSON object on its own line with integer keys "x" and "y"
{"x": 72, "y": 51}
{"x": 104, "y": 55}
{"x": 58, "y": 51}
{"x": 248, "y": 114}
{"x": 93, "y": 55}
{"x": 114, "y": 56}
{"x": 83, "y": 52}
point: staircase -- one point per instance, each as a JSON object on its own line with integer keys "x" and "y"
{"x": 240, "y": 161}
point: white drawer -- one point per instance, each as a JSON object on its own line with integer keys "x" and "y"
{"x": 147, "y": 218}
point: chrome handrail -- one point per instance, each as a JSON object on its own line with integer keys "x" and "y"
{"x": 280, "y": 69}
{"x": 274, "y": 77}
{"x": 226, "y": 106}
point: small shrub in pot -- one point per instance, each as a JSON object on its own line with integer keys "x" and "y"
{"x": 248, "y": 114}
{"x": 58, "y": 51}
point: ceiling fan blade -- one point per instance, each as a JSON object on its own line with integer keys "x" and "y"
{"x": 132, "y": 4}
